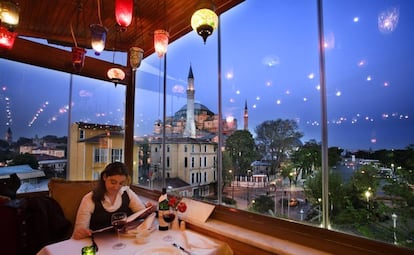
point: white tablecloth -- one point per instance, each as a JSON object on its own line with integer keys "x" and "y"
{"x": 195, "y": 243}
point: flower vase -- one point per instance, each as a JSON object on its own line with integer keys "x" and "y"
{"x": 174, "y": 224}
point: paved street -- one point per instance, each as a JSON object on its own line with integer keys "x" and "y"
{"x": 244, "y": 194}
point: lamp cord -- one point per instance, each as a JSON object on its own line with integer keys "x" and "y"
{"x": 99, "y": 12}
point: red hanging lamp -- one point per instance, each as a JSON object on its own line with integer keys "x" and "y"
{"x": 78, "y": 58}
{"x": 6, "y": 38}
{"x": 123, "y": 13}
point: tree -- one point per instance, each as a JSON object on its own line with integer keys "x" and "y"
{"x": 334, "y": 156}
{"x": 276, "y": 139}
{"x": 263, "y": 204}
{"x": 23, "y": 141}
{"x": 313, "y": 189}
{"x": 227, "y": 165}
{"x": 242, "y": 150}
{"x": 25, "y": 159}
{"x": 364, "y": 179}
{"x": 307, "y": 157}
{"x": 4, "y": 144}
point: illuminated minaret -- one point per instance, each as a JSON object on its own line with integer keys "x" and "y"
{"x": 190, "y": 130}
{"x": 9, "y": 136}
{"x": 246, "y": 116}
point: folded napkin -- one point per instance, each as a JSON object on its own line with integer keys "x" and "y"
{"x": 148, "y": 223}
{"x": 197, "y": 241}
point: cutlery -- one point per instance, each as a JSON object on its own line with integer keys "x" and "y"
{"x": 94, "y": 243}
{"x": 181, "y": 248}
{"x": 102, "y": 229}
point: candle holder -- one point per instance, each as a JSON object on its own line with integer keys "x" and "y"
{"x": 88, "y": 250}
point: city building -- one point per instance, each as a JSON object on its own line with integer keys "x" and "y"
{"x": 190, "y": 167}
{"x": 101, "y": 143}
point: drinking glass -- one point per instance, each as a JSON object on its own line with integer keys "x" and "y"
{"x": 168, "y": 217}
{"x": 118, "y": 220}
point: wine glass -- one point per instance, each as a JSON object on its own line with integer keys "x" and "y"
{"x": 168, "y": 217}
{"x": 118, "y": 220}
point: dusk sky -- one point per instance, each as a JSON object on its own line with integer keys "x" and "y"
{"x": 269, "y": 58}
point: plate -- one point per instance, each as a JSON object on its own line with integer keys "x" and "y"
{"x": 159, "y": 251}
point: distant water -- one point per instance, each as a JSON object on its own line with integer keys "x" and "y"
{"x": 346, "y": 171}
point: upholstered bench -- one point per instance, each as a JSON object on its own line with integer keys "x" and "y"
{"x": 69, "y": 194}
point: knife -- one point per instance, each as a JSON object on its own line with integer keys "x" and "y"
{"x": 102, "y": 229}
{"x": 181, "y": 248}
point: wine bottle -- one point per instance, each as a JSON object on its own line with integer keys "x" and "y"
{"x": 163, "y": 208}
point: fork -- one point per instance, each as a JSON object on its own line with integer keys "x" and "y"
{"x": 181, "y": 248}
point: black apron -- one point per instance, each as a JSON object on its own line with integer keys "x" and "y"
{"x": 101, "y": 218}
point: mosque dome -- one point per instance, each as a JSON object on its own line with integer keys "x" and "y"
{"x": 198, "y": 109}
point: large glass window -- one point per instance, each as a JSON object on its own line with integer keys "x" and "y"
{"x": 273, "y": 91}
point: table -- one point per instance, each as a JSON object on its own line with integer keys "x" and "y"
{"x": 195, "y": 243}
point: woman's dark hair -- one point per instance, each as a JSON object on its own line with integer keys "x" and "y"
{"x": 115, "y": 168}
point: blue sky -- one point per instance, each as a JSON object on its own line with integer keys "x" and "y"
{"x": 269, "y": 58}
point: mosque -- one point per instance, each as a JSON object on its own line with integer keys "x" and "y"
{"x": 196, "y": 120}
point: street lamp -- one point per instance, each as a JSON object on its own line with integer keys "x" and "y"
{"x": 368, "y": 195}
{"x": 275, "y": 187}
{"x": 394, "y": 220}
{"x": 231, "y": 183}
{"x": 319, "y": 211}
{"x": 248, "y": 186}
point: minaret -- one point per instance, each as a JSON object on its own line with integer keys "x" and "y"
{"x": 190, "y": 130}
{"x": 246, "y": 116}
{"x": 9, "y": 136}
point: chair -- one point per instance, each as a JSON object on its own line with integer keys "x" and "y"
{"x": 69, "y": 194}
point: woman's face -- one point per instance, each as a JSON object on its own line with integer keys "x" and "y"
{"x": 114, "y": 183}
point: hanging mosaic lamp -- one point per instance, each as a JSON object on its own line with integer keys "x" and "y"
{"x": 135, "y": 57}
{"x": 204, "y": 21}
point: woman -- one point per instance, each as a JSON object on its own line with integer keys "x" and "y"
{"x": 111, "y": 195}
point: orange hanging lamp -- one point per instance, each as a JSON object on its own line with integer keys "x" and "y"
{"x": 9, "y": 13}
{"x": 161, "y": 42}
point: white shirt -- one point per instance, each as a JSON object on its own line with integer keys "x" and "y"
{"x": 87, "y": 206}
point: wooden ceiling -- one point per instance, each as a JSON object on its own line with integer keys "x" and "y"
{"x": 52, "y": 20}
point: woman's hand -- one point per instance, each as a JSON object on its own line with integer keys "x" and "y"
{"x": 80, "y": 233}
{"x": 153, "y": 207}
